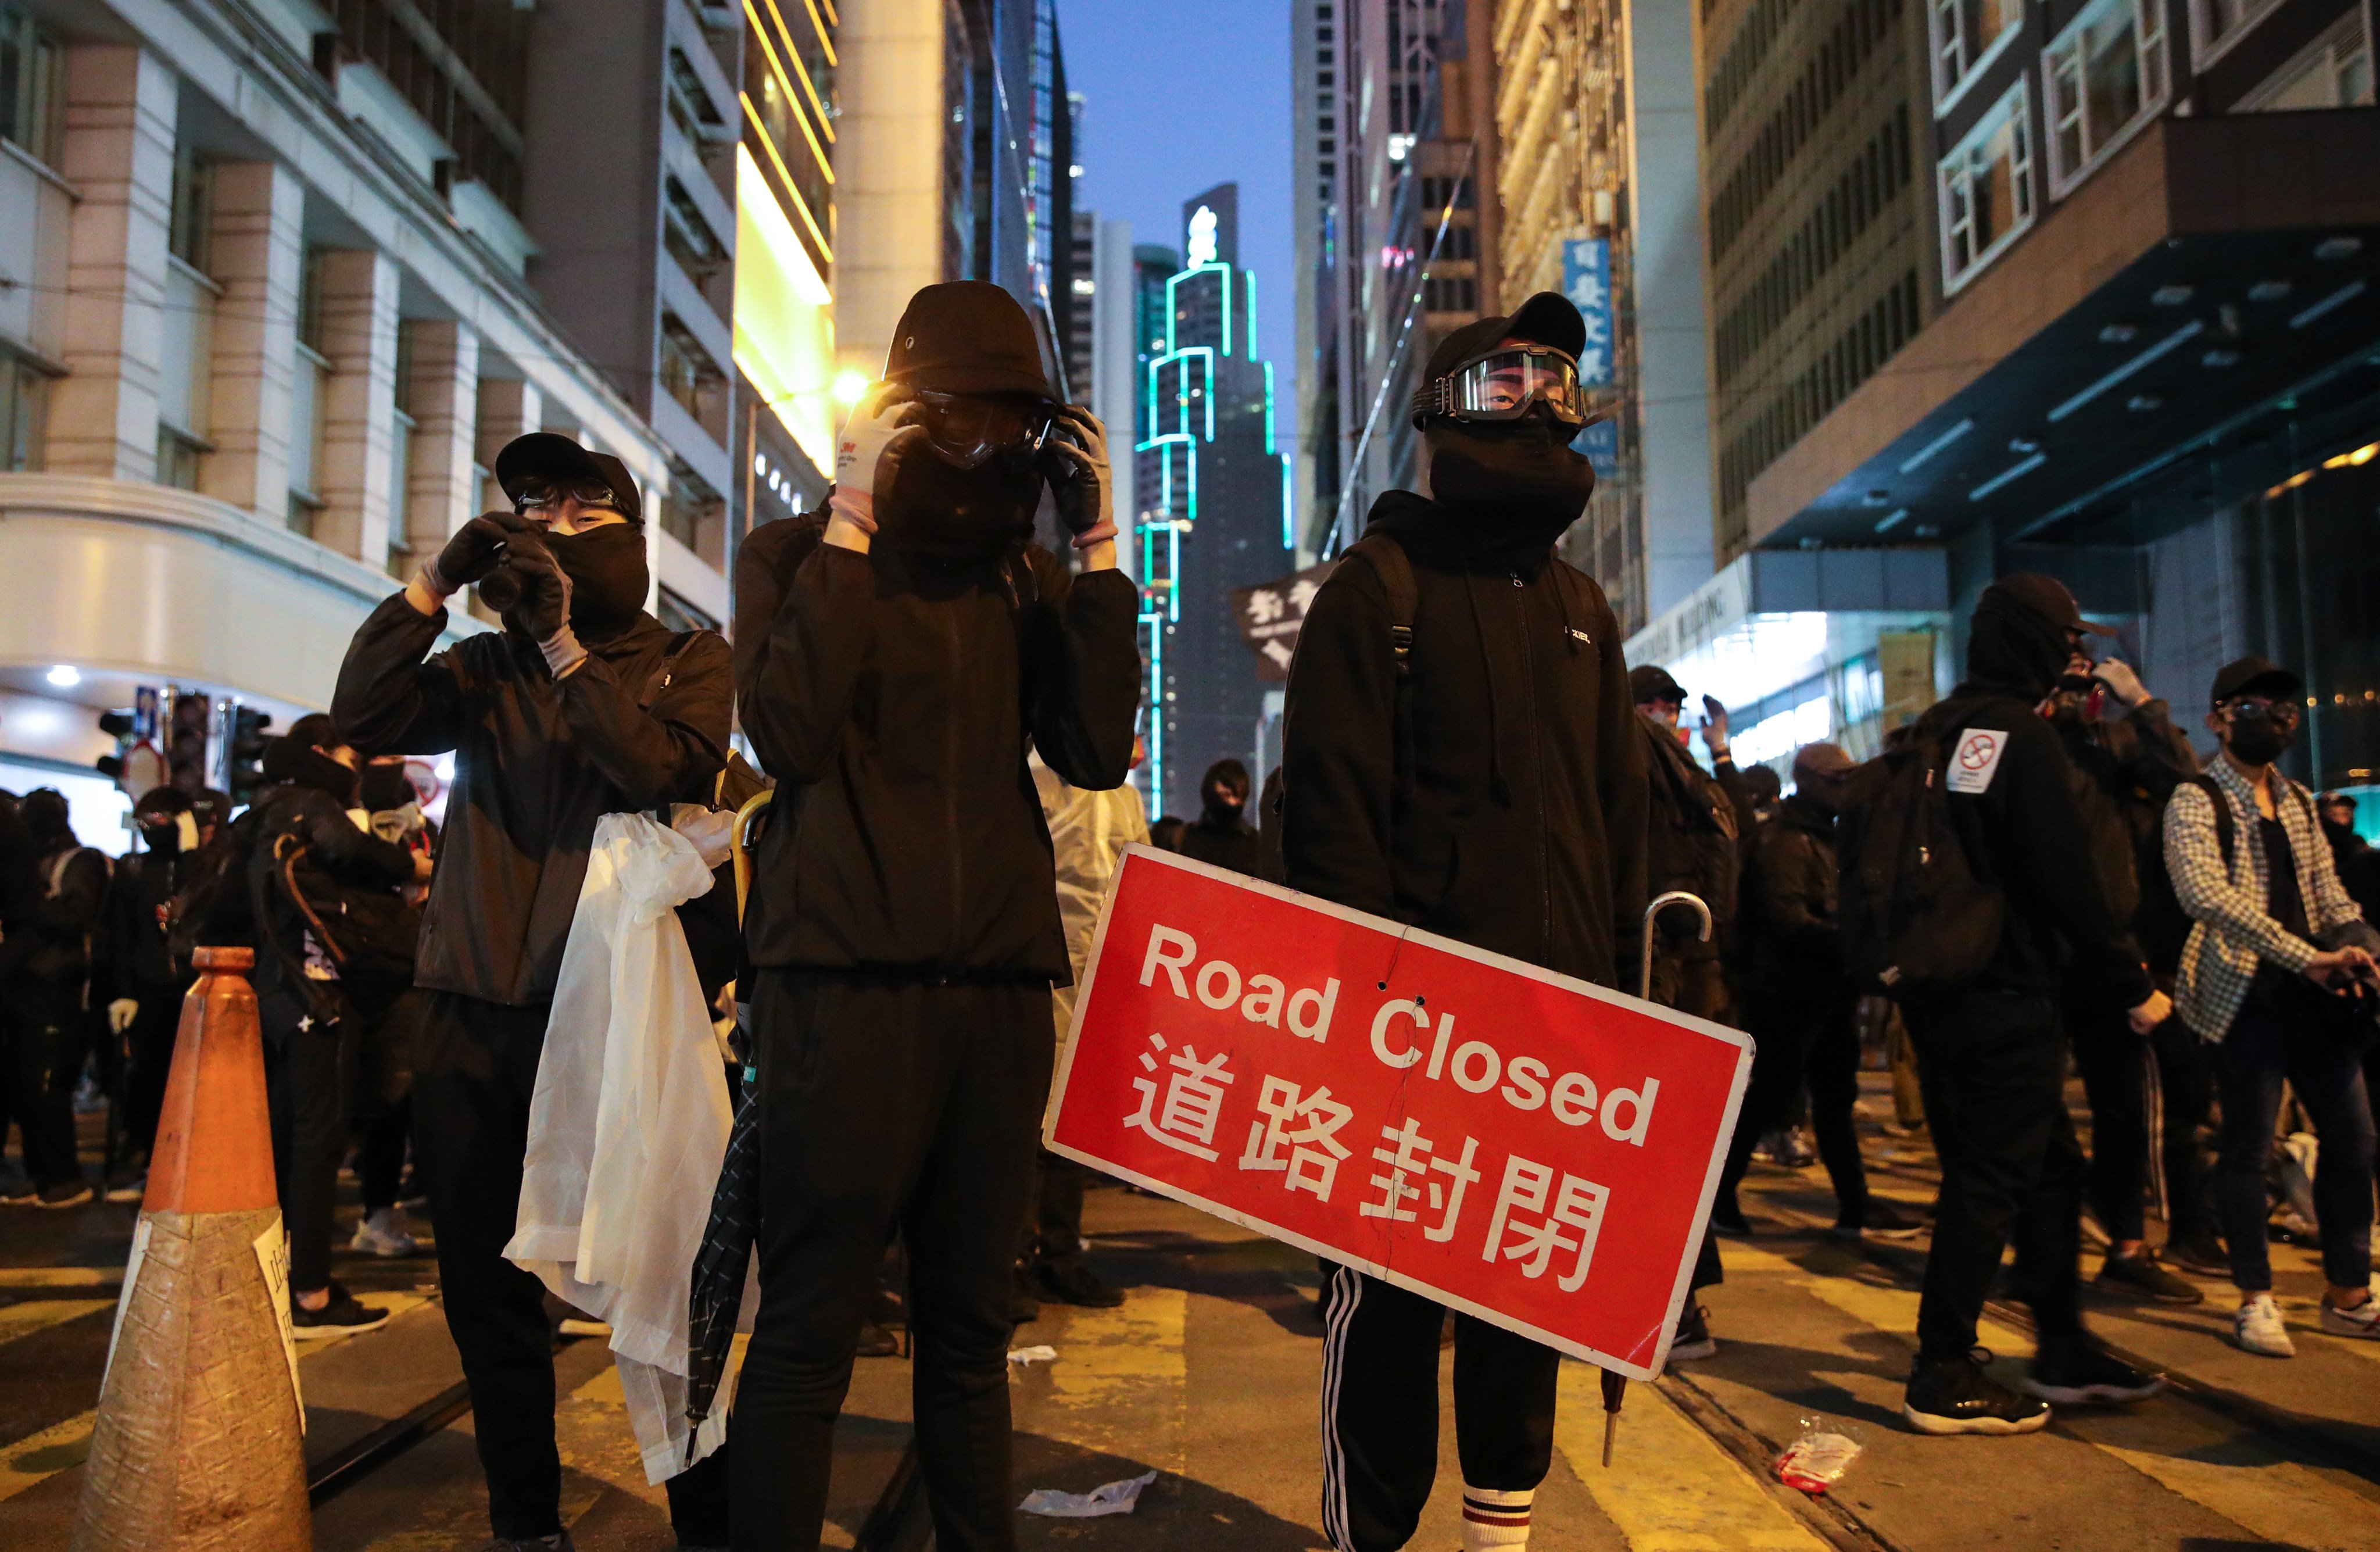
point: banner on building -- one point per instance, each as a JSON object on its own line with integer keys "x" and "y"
{"x": 1514, "y": 1144}
{"x": 1270, "y": 616}
{"x": 1586, "y": 281}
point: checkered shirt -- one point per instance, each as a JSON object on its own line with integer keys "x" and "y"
{"x": 2234, "y": 932}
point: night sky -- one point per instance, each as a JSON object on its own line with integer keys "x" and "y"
{"x": 1178, "y": 97}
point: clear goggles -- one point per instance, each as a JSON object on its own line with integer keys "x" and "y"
{"x": 967, "y": 429}
{"x": 1504, "y": 384}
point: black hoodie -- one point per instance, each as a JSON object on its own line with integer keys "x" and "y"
{"x": 1516, "y": 823}
{"x": 2024, "y": 828}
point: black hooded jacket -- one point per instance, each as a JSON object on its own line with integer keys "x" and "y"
{"x": 1514, "y": 820}
{"x": 300, "y": 833}
{"x": 1790, "y": 894}
{"x": 2025, "y": 830}
{"x": 893, "y": 703}
{"x": 643, "y": 722}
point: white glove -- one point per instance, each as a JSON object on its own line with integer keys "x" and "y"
{"x": 2121, "y": 681}
{"x": 1082, "y": 485}
{"x": 868, "y": 453}
{"x": 120, "y": 1014}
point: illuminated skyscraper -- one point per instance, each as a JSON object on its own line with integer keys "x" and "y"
{"x": 1215, "y": 511}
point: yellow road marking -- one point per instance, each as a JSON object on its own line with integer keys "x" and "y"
{"x": 2275, "y": 1499}
{"x": 30, "y": 1461}
{"x": 1670, "y": 1489}
{"x": 39, "y": 1315}
{"x": 60, "y": 1277}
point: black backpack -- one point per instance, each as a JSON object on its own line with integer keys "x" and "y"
{"x": 1917, "y": 919}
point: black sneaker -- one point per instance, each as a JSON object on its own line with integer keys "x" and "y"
{"x": 1067, "y": 1280}
{"x": 73, "y": 1193}
{"x": 2079, "y": 1372}
{"x": 1694, "y": 1339}
{"x": 2202, "y": 1253}
{"x": 344, "y": 1316}
{"x": 1728, "y": 1219}
{"x": 558, "y": 1542}
{"x": 1955, "y": 1396}
{"x": 1886, "y": 1220}
{"x": 1024, "y": 1305}
{"x": 874, "y": 1342}
{"x": 2135, "y": 1276}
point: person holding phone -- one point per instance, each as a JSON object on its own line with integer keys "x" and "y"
{"x": 891, "y": 663}
{"x": 2277, "y": 978}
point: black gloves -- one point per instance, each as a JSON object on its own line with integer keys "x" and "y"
{"x": 474, "y": 551}
{"x": 543, "y": 610}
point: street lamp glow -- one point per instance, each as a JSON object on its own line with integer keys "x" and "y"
{"x": 65, "y": 676}
{"x": 848, "y": 386}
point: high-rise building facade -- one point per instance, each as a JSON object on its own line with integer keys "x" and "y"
{"x": 1598, "y": 176}
{"x": 1394, "y": 160}
{"x": 1215, "y": 509}
{"x": 284, "y": 280}
{"x": 2085, "y": 288}
{"x": 954, "y": 160}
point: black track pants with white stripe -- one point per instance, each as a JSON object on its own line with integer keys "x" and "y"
{"x": 1380, "y": 1409}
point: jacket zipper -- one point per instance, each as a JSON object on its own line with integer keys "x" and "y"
{"x": 1537, "y": 764}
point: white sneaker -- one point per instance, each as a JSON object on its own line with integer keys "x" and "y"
{"x": 2256, "y": 1327}
{"x": 2363, "y": 1320}
{"x": 384, "y": 1233}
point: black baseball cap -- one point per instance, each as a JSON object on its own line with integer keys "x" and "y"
{"x": 2256, "y": 677}
{"x": 1548, "y": 318}
{"x": 550, "y": 458}
{"x": 2048, "y": 598}
{"x": 1649, "y": 682}
{"x": 966, "y": 337}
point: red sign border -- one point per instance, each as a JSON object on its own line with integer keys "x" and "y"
{"x": 1677, "y": 1290}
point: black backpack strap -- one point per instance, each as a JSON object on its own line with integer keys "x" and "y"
{"x": 2226, "y": 834}
{"x": 1390, "y": 565}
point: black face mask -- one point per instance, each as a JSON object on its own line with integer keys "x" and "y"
{"x": 164, "y": 839}
{"x": 937, "y": 512}
{"x": 609, "y": 577}
{"x": 1225, "y": 807}
{"x": 2261, "y": 741}
{"x": 1513, "y": 487}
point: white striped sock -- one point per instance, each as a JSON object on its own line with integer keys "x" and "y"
{"x": 1494, "y": 1519}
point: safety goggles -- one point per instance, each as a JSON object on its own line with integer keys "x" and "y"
{"x": 2257, "y": 708}
{"x": 1504, "y": 384}
{"x": 537, "y": 497}
{"x": 967, "y": 429}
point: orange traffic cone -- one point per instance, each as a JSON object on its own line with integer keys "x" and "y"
{"x": 199, "y": 1442}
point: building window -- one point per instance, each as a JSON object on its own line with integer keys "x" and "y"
{"x": 2333, "y": 71}
{"x": 29, "y": 63}
{"x": 1986, "y": 191}
{"x": 193, "y": 208}
{"x": 1449, "y": 293}
{"x": 178, "y": 459}
{"x": 1968, "y": 35}
{"x": 2215, "y": 25}
{"x": 676, "y": 614}
{"x": 2106, "y": 77}
{"x": 24, "y": 402}
{"x": 306, "y": 396}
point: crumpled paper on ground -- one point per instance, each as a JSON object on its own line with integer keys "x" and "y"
{"x": 1115, "y": 1498}
{"x": 1028, "y": 1356}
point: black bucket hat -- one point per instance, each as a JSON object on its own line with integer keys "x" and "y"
{"x": 966, "y": 337}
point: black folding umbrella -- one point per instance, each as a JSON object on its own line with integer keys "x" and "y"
{"x": 716, "y": 1290}
{"x": 726, "y": 1254}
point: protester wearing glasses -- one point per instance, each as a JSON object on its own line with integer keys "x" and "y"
{"x": 2278, "y": 976}
{"x": 583, "y": 705}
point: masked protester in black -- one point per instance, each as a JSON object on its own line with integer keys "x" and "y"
{"x": 583, "y": 705}
{"x": 145, "y": 993}
{"x": 299, "y": 864}
{"x": 1992, "y": 1054}
{"x": 47, "y": 955}
{"x": 904, "y": 914}
{"x": 1222, "y": 835}
{"x": 1490, "y": 787}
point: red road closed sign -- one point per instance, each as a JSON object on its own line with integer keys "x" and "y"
{"x": 1521, "y": 1145}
